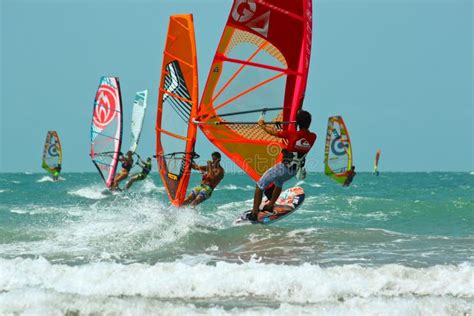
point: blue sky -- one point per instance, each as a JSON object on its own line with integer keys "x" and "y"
{"x": 399, "y": 72}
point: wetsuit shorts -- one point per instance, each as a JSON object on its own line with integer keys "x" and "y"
{"x": 278, "y": 174}
{"x": 203, "y": 190}
{"x": 141, "y": 176}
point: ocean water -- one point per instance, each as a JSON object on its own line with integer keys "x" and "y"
{"x": 397, "y": 244}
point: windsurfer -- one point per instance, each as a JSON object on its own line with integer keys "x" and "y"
{"x": 376, "y": 162}
{"x": 146, "y": 168}
{"x": 127, "y": 164}
{"x": 350, "y": 175}
{"x": 376, "y": 171}
{"x": 299, "y": 144}
{"x": 213, "y": 174}
{"x": 56, "y": 171}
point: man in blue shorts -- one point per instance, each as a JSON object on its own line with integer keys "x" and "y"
{"x": 293, "y": 157}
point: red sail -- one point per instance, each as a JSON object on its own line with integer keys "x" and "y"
{"x": 260, "y": 66}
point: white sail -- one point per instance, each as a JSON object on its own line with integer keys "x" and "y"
{"x": 106, "y": 128}
{"x": 138, "y": 115}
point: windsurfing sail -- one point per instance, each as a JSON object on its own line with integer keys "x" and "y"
{"x": 52, "y": 152}
{"x": 138, "y": 115}
{"x": 376, "y": 162}
{"x": 258, "y": 68}
{"x": 338, "y": 150}
{"x": 177, "y": 107}
{"x": 106, "y": 128}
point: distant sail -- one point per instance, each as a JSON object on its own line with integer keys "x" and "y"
{"x": 52, "y": 153}
{"x": 376, "y": 163}
{"x": 338, "y": 150}
{"x": 106, "y": 128}
{"x": 260, "y": 66}
{"x": 177, "y": 107}
{"x": 138, "y": 116}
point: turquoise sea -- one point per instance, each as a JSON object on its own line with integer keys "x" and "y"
{"x": 397, "y": 244}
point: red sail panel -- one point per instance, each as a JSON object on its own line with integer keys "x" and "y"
{"x": 261, "y": 65}
{"x": 377, "y": 157}
{"x": 177, "y": 107}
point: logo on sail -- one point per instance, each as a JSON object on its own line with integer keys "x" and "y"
{"x": 104, "y": 111}
{"x": 53, "y": 150}
{"x": 338, "y": 148}
{"x": 244, "y": 12}
{"x": 302, "y": 144}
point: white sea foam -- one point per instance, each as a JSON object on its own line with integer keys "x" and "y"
{"x": 305, "y": 284}
{"x": 18, "y": 211}
{"x": 50, "y": 179}
{"x": 379, "y": 215}
{"x": 93, "y": 193}
{"x": 41, "y": 302}
{"x": 120, "y": 228}
{"x": 33, "y": 210}
{"x": 319, "y": 199}
{"x": 236, "y": 205}
{"x": 146, "y": 186}
{"x": 386, "y": 231}
{"x": 352, "y": 199}
{"x": 302, "y": 232}
{"x": 230, "y": 211}
{"x": 233, "y": 187}
{"x": 1, "y": 191}
{"x": 45, "y": 179}
{"x": 212, "y": 248}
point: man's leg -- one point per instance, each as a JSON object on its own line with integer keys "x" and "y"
{"x": 197, "y": 200}
{"x": 131, "y": 181}
{"x": 257, "y": 199}
{"x": 117, "y": 180}
{"x": 284, "y": 174}
{"x": 189, "y": 199}
{"x": 268, "y": 192}
{"x": 267, "y": 178}
{"x": 275, "y": 195}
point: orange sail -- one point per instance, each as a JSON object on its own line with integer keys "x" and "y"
{"x": 177, "y": 107}
{"x": 258, "y": 68}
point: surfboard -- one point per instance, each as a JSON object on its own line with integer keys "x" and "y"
{"x": 288, "y": 202}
